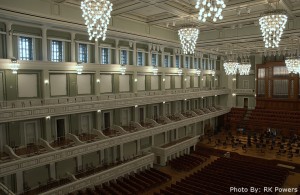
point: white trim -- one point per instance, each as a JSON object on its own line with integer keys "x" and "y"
{"x": 84, "y": 42}
{"x": 3, "y": 33}
{"x": 58, "y": 39}
{"x": 27, "y": 35}
{"x": 32, "y": 51}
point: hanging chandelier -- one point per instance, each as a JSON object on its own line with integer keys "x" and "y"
{"x": 272, "y": 23}
{"x": 293, "y": 64}
{"x": 188, "y": 38}
{"x": 210, "y": 8}
{"x": 230, "y": 67}
{"x": 96, "y": 14}
{"x": 244, "y": 68}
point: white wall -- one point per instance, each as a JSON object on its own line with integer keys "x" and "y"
{"x": 84, "y": 84}
{"x": 154, "y": 82}
{"x": 141, "y": 83}
{"x": 167, "y": 82}
{"x": 124, "y": 83}
{"x": 178, "y": 82}
{"x": 58, "y": 84}
{"x": 27, "y": 85}
{"x": 106, "y": 83}
{"x": 188, "y": 82}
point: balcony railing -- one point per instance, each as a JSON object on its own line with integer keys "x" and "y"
{"x": 244, "y": 91}
{"x": 104, "y": 176}
{"x": 59, "y": 155}
{"x": 71, "y": 105}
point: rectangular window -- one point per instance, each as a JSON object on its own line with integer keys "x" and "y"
{"x": 154, "y": 59}
{"x": 167, "y": 61}
{"x": 104, "y": 56}
{"x": 140, "y": 58}
{"x": 124, "y": 58}
{"x": 56, "y": 51}
{"x": 177, "y": 61}
{"x": 196, "y": 63}
{"x": 25, "y": 48}
{"x": 187, "y": 62}
{"x": 82, "y": 53}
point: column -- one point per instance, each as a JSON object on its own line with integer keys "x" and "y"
{"x": 134, "y": 55}
{"x": 20, "y": 182}
{"x": 46, "y": 86}
{"x": 73, "y": 46}
{"x": 44, "y": 44}
{"x": 98, "y": 119}
{"x": 121, "y": 152}
{"x": 52, "y": 172}
{"x": 9, "y": 44}
{"x": 97, "y": 52}
{"x": 79, "y": 162}
{"x": 162, "y": 56}
{"x": 135, "y": 114}
{"x": 117, "y": 56}
{"x": 149, "y": 55}
{"x": 176, "y": 130}
{"x": 48, "y": 130}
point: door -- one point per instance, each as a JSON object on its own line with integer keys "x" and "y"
{"x": 106, "y": 120}
{"x": 30, "y": 133}
{"x": 245, "y": 102}
{"x": 60, "y": 128}
{"x": 85, "y": 124}
{"x": 3, "y": 137}
{"x": 124, "y": 117}
{"x": 142, "y": 114}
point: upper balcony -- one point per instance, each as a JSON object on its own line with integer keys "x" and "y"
{"x": 38, "y": 108}
{"x": 244, "y": 91}
{"x": 103, "y": 141}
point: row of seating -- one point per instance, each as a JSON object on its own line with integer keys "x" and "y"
{"x": 136, "y": 183}
{"x": 185, "y": 162}
{"x": 218, "y": 177}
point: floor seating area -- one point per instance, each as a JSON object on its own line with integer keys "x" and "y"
{"x": 62, "y": 143}
{"x": 110, "y": 132}
{"x": 235, "y": 116}
{"x": 136, "y": 183}
{"x": 185, "y": 162}
{"x": 86, "y": 137}
{"x": 219, "y": 176}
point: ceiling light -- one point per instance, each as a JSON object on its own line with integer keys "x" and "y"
{"x": 14, "y": 66}
{"x": 96, "y": 14}
{"x": 272, "y": 23}
{"x": 210, "y": 8}
{"x": 188, "y": 38}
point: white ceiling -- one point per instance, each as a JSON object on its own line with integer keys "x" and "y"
{"x": 174, "y": 13}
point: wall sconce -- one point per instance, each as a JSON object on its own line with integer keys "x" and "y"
{"x": 234, "y": 79}
{"x": 198, "y": 72}
{"x": 179, "y": 71}
{"x": 233, "y": 94}
{"x": 48, "y": 117}
{"x": 164, "y": 79}
{"x": 216, "y": 95}
{"x": 202, "y": 79}
{"x": 216, "y": 79}
{"x": 202, "y": 97}
{"x": 184, "y": 79}
{"x": 154, "y": 70}
{"x": 46, "y": 82}
{"x": 135, "y": 80}
{"x": 213, "y": 73}
{"x": 98, "y": 80}
{"x": 164, "y": 102}
{"x": 14, "y": 66}
{"x": 184, "y": 99}
{"x": 79, "y": 67}
{"x": 254, "y": 95}
{"x": 123, "y": 69}
{"x": 98, "y": 111}
{"x": 136, "y": 106}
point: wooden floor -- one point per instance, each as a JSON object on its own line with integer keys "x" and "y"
{"x": 293, "y": 180}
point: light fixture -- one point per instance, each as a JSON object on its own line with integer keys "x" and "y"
{"x": 123, "y": 69}
{"x": 272, "y": 23}
{"x": 48, "y": 117}
{"x": 98, "y": 111}
{"x": 164, "y": 102}
{"x": 135, "y": 80}
{"x": 136, "y": 106}
{"x": 213, "y": 72}
{"x": 155, "y": 70}
{"x": 96, "y": 14}
{"x": 179, "y": 71}
{"x": 164, "y": 79}
{"x": 198, "y": 72}
{"x": 231, "y": 65}
{"x": 188, "y": 37}
{"x": 14, "y": 66}
{"x": 184, "y": 99}
{"x": 244, "y": 68}
{"x": 98, "y": 80}
{"x": 79, "y": 67}
{"x": 293, "y": 64}
{"x": 210, "y": 8}
{"x": 233, "y": 94}
{"x": 46, "y": 82}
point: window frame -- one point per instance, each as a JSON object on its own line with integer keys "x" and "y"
{"x": 179, "y": 64}
{"x": 187, "y": 62}
{"x": 156, "y": 60}
{"x": 108, "y": 54}
{"x": 143, "y": 57}
{"x": 127, "y": 56}
{"x": 87, "y": 52}
{"x": 62, "y": 50}
{"x": 33, "y": 56}
{"x": 169, "y": 60}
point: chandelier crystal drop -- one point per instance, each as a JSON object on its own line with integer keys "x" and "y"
{"x": 188, "y": 38}
{"x": 293, "y": 65}
{"x": 231, "y": 67}
{"x": 272, "y": 23}
{"x": 96, "y": 14}
{"x": 210, "y": 8}
{"x": 244, "y": 68}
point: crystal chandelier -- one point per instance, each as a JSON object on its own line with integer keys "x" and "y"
{"x": 155, "y": 70}
{"x": 230, "y": 67}
{"x": 293, "y": 64}
{"x": 272, "y": 23}
{"x": 96, "y": 14}
{"x": 244, "y": 68}
{"x": 210, "y": 8}
{"x": 188, "y": 38}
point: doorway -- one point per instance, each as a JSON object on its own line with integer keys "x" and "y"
{"x": 30, "y": 133}
{"x": 155, "y": 112}
{"x": 245, "y": 102}
{"x": 60, "y": 128}
{"x": 106, "y": 120}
